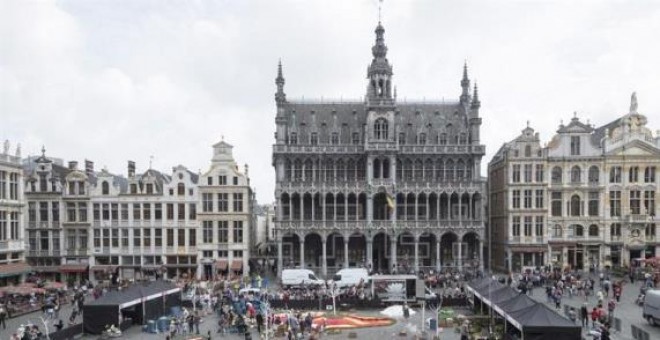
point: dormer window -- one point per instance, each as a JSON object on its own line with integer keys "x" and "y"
{"x": 133, "y": 188}
{"x": 528, "y": 151}
{"x": 575, "y": 145}
{"x": 81, "y": 188}
{"x": 150, "y": 188}
{"x": 422, "y": 139}
{"x": 105, "y": 188}
{"x": 72, "y": 188}
{"x": 380, "y": 129}
{"x": 356, "y": 138}
{"x": 180, "y": 189}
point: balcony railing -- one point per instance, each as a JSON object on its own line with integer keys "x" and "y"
{"x": 11, "y": 245}
{"x": 44, "y": 253}
{"x": 378, "y": 224}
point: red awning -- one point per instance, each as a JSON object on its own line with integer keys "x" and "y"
{"x": 73, "y": 268}
{"x": 236, "y": 265}
{"x": 221, "y": 264}
{"x": 12, "y": 269}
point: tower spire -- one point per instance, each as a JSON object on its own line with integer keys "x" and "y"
{"x": 379, "y": 72}
{"x": 465, "y": 85}
{"x": 476, "y": 103}
{"x": 280, "y": 96}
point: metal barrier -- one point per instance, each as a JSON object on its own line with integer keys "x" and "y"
{"x": 639, "y": 334}
{"x": 617, "y": 325}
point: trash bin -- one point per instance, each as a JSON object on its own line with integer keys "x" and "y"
{"x": 151, "y": 327}
{"x": 163, "y": 324}
{"x": 433, "y": 324}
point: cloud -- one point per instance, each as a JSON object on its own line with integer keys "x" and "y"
{"x": 125, "y": 80}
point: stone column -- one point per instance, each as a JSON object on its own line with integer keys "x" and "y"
{"x": 279, "y": 257}
{"x": 449, "y": 206}
{"x": 393, "y": 261}
{"x": 346, "y": 252}
{"x": 481, "y": 255}
{"x": 302, "y": 254}
{"x": 302, "y": 207}
{"x": 370, "y": 250}
{"x": 438, "y": 251}
{"x": 416, "y": 254}
{"x": 324, "y": 256}
{"x": 370, "y": 208}
{"x": 509, "y": 260}
{"x": 345, "y": 207}
{"x": 460, "y": 255}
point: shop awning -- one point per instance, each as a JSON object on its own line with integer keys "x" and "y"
{"x": 73, "y": 268}
{"x": 47, "y": 269}
{"x": 13, "y": 269}
{"x": 236, "y": 265}
{"x": 104, "y": 268}
{"x": 221, "y": 264}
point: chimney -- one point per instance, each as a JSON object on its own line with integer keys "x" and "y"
{"x": 89, "y": 168}
{"x": 73, "y": 165}
{"x": 131, "y": 169}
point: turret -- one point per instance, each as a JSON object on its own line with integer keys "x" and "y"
{"x": 379, "y": 72}
{"x": 465, "y": 86}
{"x": 280, "y": 96}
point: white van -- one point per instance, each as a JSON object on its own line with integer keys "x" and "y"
{"x": 651, "y": 310}
{"x": 296, "y": 277}
{"x": 351, "y": 276}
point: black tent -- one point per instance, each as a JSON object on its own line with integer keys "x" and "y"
{"x": 141, "y": 302}
{"x": 505, "y": 293}
{"x": 519, "y": 302}
{"x": 539, "y": 322}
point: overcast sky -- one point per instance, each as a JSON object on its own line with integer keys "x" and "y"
{"x": 113, "y": 81}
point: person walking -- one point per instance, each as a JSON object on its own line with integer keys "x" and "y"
{"x": 584, "y": 315}
{"x": 260, "y": 321}
{"x": 3, "y": 316}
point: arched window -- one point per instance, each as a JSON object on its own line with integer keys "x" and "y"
{"x": 594, "y": 175}
{"x": 578, "y": 230}
{"x": 593, "y": 230}
{"x": 463, "y": 138}
{"x": 556, "y": 230}
{"x": 422, "y": 139}
{"x": 380, "y": 129}
{"x": 376, "y": 167}
{"x": 442, "y": 139}
{"x": 576, "y": 174}
{"x": 528, "y": 151}
{"x": 105, "y": 188}
{"x": 180, "y": 189}
{"x": 293, "y": 138}
{"x": 576, "y": 204}
{"x": 556, "y": 175}
{"x": 615, "y": 231}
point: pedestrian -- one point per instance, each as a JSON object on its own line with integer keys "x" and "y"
{"x": 260, "y": 321}
{"x": 406, "y": 311}
{"x": 3, "y": 316}
{"x": 584, "y": 315}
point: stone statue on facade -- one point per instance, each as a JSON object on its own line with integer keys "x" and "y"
{"x": 6, "y": 147}
{"x": 633, "y": 103}
{"x": 18, "y": 150}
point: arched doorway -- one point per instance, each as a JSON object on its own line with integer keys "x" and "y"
{"x": 290, "y": 250}
{"x": 313, "y": 251}
{"x": 428, "y": 245}
{"x": 357, "y": 250}
{"x": 381, "y": 253}
{"x": 448, "y": 256}
{"x": 335, "y": 252}
{"x": 471, "y": 258}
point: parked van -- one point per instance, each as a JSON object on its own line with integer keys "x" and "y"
{"x": 651, "y": 309}
{"x": 296, "y": 277}
{"x": 351, "y": 276}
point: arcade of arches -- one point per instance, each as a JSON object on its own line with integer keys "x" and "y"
{"x": 327, "y": 252}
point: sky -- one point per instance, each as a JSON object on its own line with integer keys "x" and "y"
{"x": 113, "y": 81}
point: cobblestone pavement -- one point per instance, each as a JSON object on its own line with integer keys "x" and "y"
{"x": 626, "y": 310}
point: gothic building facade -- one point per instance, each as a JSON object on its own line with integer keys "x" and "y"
{"x": 587, "y": 199}
{"x": 390, "y": 185}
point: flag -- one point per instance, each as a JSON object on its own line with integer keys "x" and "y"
{"x": 390, "y": 200}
